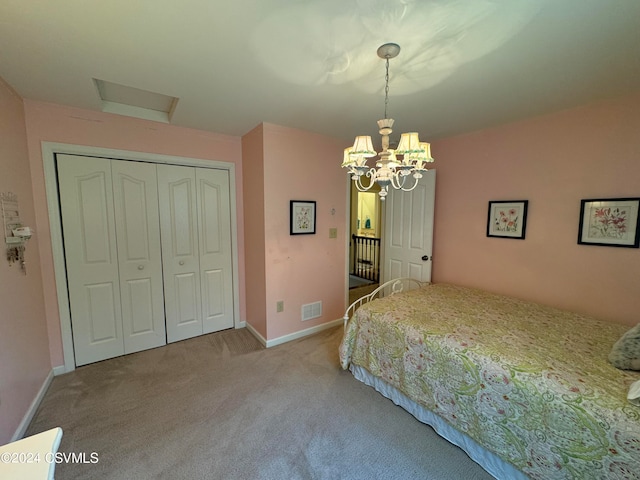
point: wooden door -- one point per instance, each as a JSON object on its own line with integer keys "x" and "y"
{"x": 135, "y": 194}
{"x": 86, "y": 200}
{"x": 408, "y": 240}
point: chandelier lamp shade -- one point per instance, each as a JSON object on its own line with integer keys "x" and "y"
{"x": 390, "y": 170}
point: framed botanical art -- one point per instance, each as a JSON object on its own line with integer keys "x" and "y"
{"x": 507, "y": 219}
{"x": 303, "y": 217}
{"x": 611, "y": 222}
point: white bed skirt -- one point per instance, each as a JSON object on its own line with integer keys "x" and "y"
{"x": 487, "y": 460}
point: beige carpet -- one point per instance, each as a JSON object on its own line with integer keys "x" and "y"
{"x": 222, "y": 407}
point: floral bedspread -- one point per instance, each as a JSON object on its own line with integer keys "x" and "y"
{"x": 530, "y": 383}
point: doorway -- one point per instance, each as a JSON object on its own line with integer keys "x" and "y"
{"x": 404, "y": 227}
{"x": 366, "y": 227}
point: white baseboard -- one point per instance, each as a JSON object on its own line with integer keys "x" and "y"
{"x": 26, "y": 420}
{"x": 59, "y": 370}
{"x": 293, "y": 336}
{"x": 255, "y": 333}
{"x": 303, "y": 333}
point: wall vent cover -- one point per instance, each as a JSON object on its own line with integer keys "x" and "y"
{"x": 311, "y": 310}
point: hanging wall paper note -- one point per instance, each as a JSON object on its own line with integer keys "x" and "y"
{"x": 15, "y": 233}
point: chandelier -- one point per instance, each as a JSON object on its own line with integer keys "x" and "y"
{"x": 401, "y": 174}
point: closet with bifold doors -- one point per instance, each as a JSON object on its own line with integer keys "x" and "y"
{"x": 196, "y": 250}
{"x": 147, "y": 253}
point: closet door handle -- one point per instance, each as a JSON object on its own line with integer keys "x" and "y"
{"x": 181, "y": 262}
{"x": 140, "y": 267}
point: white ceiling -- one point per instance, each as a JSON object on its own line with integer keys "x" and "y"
{"x": 312, "y": 64}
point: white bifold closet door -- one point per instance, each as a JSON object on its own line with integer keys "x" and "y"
{"x": 195, "y": 223}
{"x": 113, "y": 256}
{"x": 135, "y": 201}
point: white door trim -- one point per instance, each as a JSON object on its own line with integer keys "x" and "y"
{"x": 49, "y": 151}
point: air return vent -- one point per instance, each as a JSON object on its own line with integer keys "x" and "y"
{"x": 311, "y": 310}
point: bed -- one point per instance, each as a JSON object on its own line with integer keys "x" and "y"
{"x": 526, "y": 390}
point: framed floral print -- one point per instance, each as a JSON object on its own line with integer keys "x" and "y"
{"x": 611, "y": 222}
{"x": 507, "y": 219}
{"x": 303, "y": 217}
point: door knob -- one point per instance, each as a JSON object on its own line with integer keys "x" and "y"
{"x": 181, "y": 262}
{"x": 425, "y": 258}
{"x": 140, "y": 267}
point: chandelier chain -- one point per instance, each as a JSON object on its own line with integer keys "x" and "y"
{"x": 386, "y": 89}
{"x": 400, "y": 168}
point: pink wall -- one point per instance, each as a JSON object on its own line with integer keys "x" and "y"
{"x": 554, "y": 161}
{"x": 24, "y": 347}
{"x": 302, "y": 269}
{"x": 56, "y": 123}
{"x": 254, "y": 217}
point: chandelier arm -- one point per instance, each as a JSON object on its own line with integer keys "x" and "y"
{"x": 398, "y": 182}
{"x": 360, "y": 186}
{"x": 415, "y": 184}
{"x": 395, "y": 182}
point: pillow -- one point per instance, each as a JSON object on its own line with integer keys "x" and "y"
{"x": 626, "y": 351}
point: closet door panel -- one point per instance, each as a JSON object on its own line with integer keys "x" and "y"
{"x": 186, "y": 285}
{"x": 139, "y": 254}
{"x": 102, "y": 313}
{"x": 181, "y": 268}
{"x": 137, "y": 300}
{"x": 214, "y": 222}
{"x": 86, "y": 203}
{"x": 213, "y": 290}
